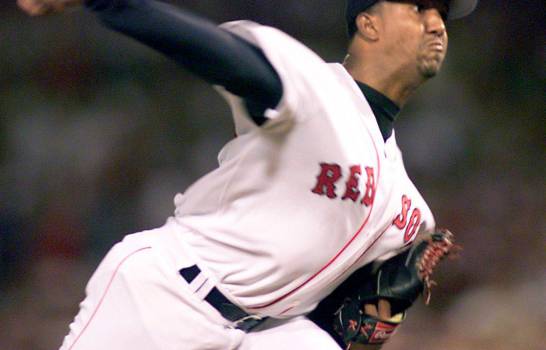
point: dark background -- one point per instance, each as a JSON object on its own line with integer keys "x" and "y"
{"x": 97, "y": 134}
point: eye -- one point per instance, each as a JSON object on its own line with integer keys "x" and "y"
{"x": 442, "y": 8}
{"x": 418, "y": 8}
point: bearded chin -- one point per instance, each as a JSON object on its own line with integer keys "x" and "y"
{"x": 429, "y": 68}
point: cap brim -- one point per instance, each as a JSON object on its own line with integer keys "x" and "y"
{"x": 461, "y": 8}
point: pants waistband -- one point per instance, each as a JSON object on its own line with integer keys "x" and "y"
{"x": 201, "y": 286}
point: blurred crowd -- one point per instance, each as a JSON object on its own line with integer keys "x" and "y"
{"x": 98, "y": 133}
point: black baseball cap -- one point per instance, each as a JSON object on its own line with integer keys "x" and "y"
{"x": 457, "y": 9}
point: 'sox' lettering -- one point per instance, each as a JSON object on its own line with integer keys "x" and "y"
{"x": 401, "y": 221}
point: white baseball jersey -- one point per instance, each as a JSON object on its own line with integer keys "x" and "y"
{"x": 299, "y": 203}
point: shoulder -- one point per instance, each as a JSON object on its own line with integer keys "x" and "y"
{"x": 252, "y": 30}
{"x": 275, "y": 43}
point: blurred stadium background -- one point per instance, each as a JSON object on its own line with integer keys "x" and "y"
{"x": 97, "y": 134}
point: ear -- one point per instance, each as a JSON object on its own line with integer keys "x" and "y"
{"x": 367, "y": 26}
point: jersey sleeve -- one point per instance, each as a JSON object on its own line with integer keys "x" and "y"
{"x": 302, "y": 72}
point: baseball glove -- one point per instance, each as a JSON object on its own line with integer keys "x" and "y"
{"x": 399, "y": 280}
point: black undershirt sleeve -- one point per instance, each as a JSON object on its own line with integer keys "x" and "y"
{"x": 216, "y": 55}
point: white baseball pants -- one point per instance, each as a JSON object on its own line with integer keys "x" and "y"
{"x": 136, "y": 300}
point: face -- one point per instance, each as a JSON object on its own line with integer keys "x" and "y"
{"x": 414, "y": 34}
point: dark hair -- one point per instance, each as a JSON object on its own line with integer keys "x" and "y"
{"x": 353, "y": 9}
{"x": 351, "y": 28}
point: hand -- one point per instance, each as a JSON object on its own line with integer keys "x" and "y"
{"x": 382, "y": 310}
{"x": 44, "y": 7}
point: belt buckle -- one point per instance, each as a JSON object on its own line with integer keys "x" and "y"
{"x": 247, "y": 323}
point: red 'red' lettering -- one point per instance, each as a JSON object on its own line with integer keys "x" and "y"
{"x": 352, "y": 192}
{"x": 369, "y": 193}
{"x": 413, "y": 225}
{"x": 402, "y": 219}
{"x": 329, "y": 174}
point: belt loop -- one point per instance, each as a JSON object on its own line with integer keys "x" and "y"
{"x": 199, "y": 284}
{"x": 205, "y": 289}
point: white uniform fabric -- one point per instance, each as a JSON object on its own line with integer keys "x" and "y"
{"x": 136, "y": 300}
{"x": 295, "y": 207}
{"x": 273, "y": 243}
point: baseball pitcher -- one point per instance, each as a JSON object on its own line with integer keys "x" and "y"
{"x": 310, "y": 203}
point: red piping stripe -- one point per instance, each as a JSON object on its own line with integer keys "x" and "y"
{"x": 104, "y": 295}
{"x": 365, "y": 251}
{"x": 342, "y": 249}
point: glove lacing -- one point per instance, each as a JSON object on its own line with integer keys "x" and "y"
{"x": 440, "y": 246}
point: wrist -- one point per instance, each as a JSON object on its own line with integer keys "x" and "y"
{"x": 358, "y": 328}
{"x": 376, "y": 331}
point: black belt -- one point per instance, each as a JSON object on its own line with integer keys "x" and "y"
{"x": 241, "y": 320}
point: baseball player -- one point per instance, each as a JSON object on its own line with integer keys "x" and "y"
{"x": 311, "y": 190}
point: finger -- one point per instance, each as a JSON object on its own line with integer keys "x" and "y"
{"x": 371, "y": 309}
{"x": 26, "y": 5}
{"x": 32, "y": 7}
{"x": 384, "y": 309}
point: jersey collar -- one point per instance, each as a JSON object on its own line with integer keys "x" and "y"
{"x": 384, "y": 109}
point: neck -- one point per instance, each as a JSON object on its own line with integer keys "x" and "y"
{"x": 384, "y": 110}
{"x": 393, "y": 82}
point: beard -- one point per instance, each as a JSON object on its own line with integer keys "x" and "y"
{"x": 429, "y": 64}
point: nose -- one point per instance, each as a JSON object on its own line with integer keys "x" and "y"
{"x": 434, "y": 23}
